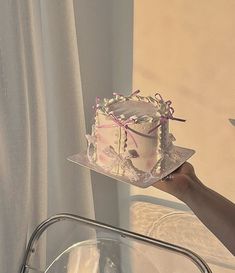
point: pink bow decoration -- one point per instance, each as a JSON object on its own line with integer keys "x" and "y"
{"x": 123, "y": 124}
{"x": 97, "y": 103}
{"x": 169, "y": 115}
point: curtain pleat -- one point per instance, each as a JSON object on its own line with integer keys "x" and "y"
{"x": 41, "y": 122}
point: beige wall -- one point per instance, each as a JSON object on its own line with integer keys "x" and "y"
{"x": 186, "y": 50}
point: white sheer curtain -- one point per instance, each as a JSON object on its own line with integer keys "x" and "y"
{"x": 41, "y": 121}
{"x": 43, "y": 104}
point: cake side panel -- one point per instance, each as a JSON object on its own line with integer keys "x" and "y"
{"x": 108, "y": 134}
{"x": 146, "y": 145}
{"x": 114, "y": 144}
{"x": 149, "y": 147}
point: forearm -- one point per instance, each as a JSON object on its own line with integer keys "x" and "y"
{"x": 215, "y": 211}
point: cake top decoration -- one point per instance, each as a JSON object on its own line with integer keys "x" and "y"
{"x": 137, "y": 109}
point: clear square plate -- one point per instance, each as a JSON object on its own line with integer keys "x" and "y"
{"x": 182, "y": 155}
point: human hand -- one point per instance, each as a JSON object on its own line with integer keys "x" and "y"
{"x": 179, "y": 182}
{"x": 214, "y": 210}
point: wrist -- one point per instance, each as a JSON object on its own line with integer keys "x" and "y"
{"x": 193, "y": 189}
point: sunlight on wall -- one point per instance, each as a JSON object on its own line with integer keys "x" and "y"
{"x": 186, "y": 50}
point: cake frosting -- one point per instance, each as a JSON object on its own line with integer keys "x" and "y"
{"x": 130, "y": 135}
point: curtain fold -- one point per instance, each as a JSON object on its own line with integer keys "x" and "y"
{"x": 65, "y": 109}
{"x": 41, "y": 121}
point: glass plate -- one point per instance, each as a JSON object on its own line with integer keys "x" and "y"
{"x": 180, "y": 156}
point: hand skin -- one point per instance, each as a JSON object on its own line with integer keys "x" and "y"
{"x": 215, "y": 211}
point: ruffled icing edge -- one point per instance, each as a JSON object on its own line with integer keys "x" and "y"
{"x": 163, "y": 108}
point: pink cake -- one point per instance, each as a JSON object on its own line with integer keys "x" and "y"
{"x": 130, "y": 136}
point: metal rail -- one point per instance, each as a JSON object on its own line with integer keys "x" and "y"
{"x": 197, "y": 260}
